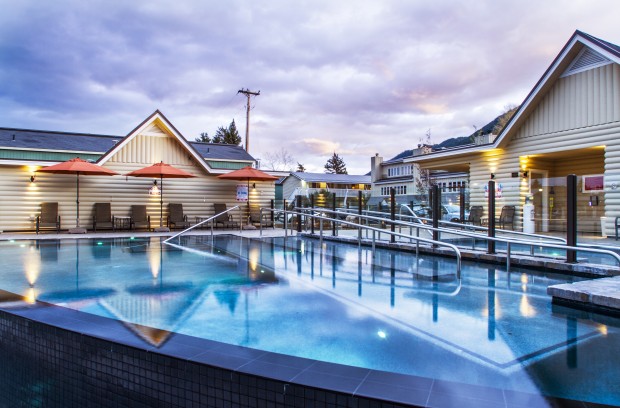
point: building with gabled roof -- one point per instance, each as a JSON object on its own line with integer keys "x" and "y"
{"x": 304, "y": 184}
{"x": 568, "y": 124}
{"x": 24, "y": 151}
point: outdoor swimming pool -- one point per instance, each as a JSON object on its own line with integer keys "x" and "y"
{"x": 331, "y": 302}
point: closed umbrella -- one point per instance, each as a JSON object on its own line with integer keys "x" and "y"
{"x": 248, "y": 174}
{"x": 161, "y": 170}
{"x": 78, "y": 166}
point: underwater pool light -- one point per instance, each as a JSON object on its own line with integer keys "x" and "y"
{"x": 381, "y": 334}
{"x": 99, "y": 243}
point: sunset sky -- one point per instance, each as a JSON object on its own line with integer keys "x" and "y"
{"x": 351, "y": 77}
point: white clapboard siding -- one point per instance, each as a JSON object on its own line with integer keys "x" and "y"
{"x": 20, "y": 202}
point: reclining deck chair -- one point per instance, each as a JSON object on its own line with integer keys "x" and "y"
{"x": 507, "y": 217}
{"x": 226, "y": 219}
{"x": 260, "y": 221}
{"x": 49, "y": 217}
{"x": 475, "y": 215}
{"x": 102, "y": 216}
{"x": 139, "y": 218}
{"x": 176, "y": 218}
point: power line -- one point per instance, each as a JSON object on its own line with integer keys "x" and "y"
{"x": 248, "y": 94}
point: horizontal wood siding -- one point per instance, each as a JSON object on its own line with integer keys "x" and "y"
{"x": 21, "y": 199}
{"x": 589, "y": 98}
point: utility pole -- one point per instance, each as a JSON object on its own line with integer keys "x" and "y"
{"x": 248, "y": 94}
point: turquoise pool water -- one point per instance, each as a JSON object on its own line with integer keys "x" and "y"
{"x": 335, "y": 303}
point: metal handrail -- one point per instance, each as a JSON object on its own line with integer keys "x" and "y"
{"x": 367, "y": 227}
{"x": 479, "y": 236}
{"x": 205, "y": 221}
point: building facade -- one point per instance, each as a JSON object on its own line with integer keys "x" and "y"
{"x": 568, "y": 124}
{"x": 23, "y": 152}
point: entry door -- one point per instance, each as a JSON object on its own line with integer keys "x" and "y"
{"x": 540, "y": 192}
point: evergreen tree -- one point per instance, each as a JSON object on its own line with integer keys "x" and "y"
{"x": 204, "y": 138}
{"x": 300, "y": 168}
{"x": 335, "y": 165}
{"x": 228, "y": 135}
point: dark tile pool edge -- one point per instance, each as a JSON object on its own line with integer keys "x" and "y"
{"x": 91, "y": 360}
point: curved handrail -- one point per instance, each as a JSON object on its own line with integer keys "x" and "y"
{"x": 507, "y": 241}
{"x": 203, "y": 222}
{"x": 425, "y": 240}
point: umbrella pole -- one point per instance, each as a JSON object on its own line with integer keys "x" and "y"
{"x": 161, "y": 202}
{"x": 77, "y": 202}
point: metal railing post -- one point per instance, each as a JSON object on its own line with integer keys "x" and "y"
{"x": 571, "y": 217}
{"x": 393, "y": 214}
{"x": 491, "y": 221}
{"x": 298, "y": 205}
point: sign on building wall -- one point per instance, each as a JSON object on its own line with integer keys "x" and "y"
{"x": 498, "y": 190}
{"x": 242, "y": 192}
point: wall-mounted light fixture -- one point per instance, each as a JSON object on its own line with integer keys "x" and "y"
{"x": 254, "y": 185}
{"x": 154, "y": 190}
{"x": 32, "y": 178}
{"x": 492, "y": 176}
{"x": 525, "y": 174}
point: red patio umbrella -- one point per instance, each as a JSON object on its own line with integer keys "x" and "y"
{"x": 161, "y": 170}
{"x": 78, "y": 166}
{"x": 248, "y": 174}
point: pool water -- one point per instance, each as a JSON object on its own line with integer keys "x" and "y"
{"x": 333, "y": 302}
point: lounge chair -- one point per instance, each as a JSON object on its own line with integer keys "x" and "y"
{"x": 224, "y": 220}
{"x": 49, "y": 217}
{"x": 475, "y": 215}
{"x": 507, "y": 217}
{"x": 260, "y": 221}
{"x": 102, "y": 216}
{"x": 139, "y": 218}
{"x": 176, "y": 218}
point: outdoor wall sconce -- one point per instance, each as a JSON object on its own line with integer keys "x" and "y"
{"x": 525, "y": 174}
{"x": 492, "y": 176}
{"x": 254, "y": 186}
{"x": 32, "y": 178}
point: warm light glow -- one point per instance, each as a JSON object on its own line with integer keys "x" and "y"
{"x": 525, "y": 308}
{"x": 603, "y": 329}
{"x": 32, "y": 266}
{"x": 155, "y": 258}
{"x": 30, "y": 296}
{"x": 253, "y": 257}
{"x": 524, "y": 278}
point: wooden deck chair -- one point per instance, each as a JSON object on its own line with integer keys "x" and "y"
{"x": 176, "y": 217}
{"x": 102, "y": 216}
{"x": 507, "y": 217}
{"x": 139, "y": 218}
{"x": 224, "y": 220}
{"x": 49, "y": 217}
{"x": 475, "y": 215}
{"x": 257, "y": 220}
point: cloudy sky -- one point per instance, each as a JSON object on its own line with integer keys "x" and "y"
{"x": 352, "y": 77}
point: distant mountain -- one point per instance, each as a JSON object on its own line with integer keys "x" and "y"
{"x": 494, "y": 126}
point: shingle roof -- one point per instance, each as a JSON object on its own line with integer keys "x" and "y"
{"x": 215, "y": 151}
{"x": 47, "y": 140}
{"x": 332, "y": 178}
{"x": 86, "y": 142}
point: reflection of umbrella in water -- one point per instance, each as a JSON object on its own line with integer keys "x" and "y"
{"x": 161, "y": 170}
{"x": 78, "y": 166}
{"x": 248, "y": 174}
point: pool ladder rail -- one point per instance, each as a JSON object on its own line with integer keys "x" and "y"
{"x": 473, "y": 232}
{"x": 205, "y": 221}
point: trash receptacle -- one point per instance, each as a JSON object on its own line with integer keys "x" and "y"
{"x": 603, "y": 232}
{"x": 528, "y": 219}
